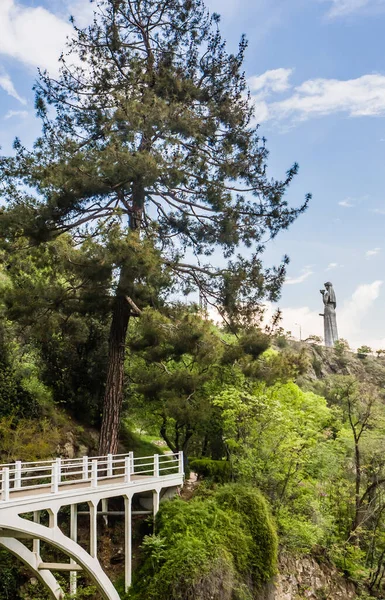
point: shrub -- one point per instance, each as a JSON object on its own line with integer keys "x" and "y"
{"x": 24, "y": 439}
{"x": 219, "y": 546}
{"x": 364, "y": 351}
{"x": 14, "y": 399}
{"x": 249, "y": 503}
{"x": 254, "y": 343}
{"x": 219, "y": 471}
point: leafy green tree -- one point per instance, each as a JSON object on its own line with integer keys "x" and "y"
{"x": 363, "y": 414}
{"x": 278, "y": 439}
{"x": 149, "y": 137}
{"x": 55, "y": 299}
{"x": 177, "y": 363}
{"x": 364, "y": 350}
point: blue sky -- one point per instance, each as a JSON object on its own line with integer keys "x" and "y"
{"x": 316, "y": 69}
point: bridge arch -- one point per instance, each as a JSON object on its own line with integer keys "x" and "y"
{"x": 48, "y": 485}
{"x": 53, "y": 535}
{"x": 30, "y": 560}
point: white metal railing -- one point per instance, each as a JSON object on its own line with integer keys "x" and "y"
{"x": 52, "y": 475}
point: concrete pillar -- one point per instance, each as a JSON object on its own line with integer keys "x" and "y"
{"x": 36, "y": 541}
{"x": 105, "y": 510}
{"x": 127, "y": 543}
{"x": 155, "y": 497}
{"x": 93, "y": 529}
{"x": 74, "y": 537}
{"x": 52, "y": 516}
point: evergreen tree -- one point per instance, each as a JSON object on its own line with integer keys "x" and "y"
{"x": 149, "y": 139}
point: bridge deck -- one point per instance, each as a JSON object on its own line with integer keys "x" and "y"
{"x": 44, "y": 490}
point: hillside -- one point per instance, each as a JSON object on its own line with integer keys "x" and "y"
{"x": 324, "y": 362}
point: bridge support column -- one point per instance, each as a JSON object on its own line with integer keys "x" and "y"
{"x": 52, "y": 518}
{"x": 105, "y": 510}
{"x": 36, "y": 541}
{"x": 127, "y": 542}
{"x": 93, "y": 529}
{"x": 156, "y": 498}
{"x": 74, "y": 537}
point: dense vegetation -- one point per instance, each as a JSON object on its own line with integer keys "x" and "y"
{"x": 148, "y": 165}
{"x": 150, "y": 158}
{"x": 220, "y": 545}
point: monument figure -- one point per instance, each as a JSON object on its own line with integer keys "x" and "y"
{"x": 329, "y": 315}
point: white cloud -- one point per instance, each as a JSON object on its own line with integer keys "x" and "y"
{"x": 262, "y": 86}
{"x": 32, "y": 35}
{"x": 23, "y": 114}
{"x": 333, "y": 265}
{"x": 346, "y": 203}
{"x": 7, "y": 85}
{"x": 275, "y": 80}
{"x": 379, "y": 211}
{"x": 342, "y": 8}
{"x": 373, "y": 252}
{"x": 354, "y": 310}
{"x": 349, "y": 316}
{"x": 305, "y": 273}
{"x": 363, "y": 96}
{"x": 345, "y": 7}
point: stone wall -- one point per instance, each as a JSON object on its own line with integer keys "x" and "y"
{"x": 306, "y": 579}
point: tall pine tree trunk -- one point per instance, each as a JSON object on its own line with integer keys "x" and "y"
{"x": 113, "y": 396}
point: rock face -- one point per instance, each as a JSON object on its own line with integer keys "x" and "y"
{"x": 305, "y": 579}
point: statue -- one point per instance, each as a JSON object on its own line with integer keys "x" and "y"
{"x": 329, "y": 315}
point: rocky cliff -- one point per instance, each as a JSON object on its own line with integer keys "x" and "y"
{"x": 305, "y": 578}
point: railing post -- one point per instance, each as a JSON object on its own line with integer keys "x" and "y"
{"x": 127, "y": 469}
{"x": 5, "y": 484}
{"x": 17, "y": 474}
{"x": 132, "y": 466}
{"x": 54, "y": 478}
{"x": 58, "y": 460}
{"x": 109, "y": 465}
{"x": 156, "y": 465}
{"x": 181, "y": 466}
{"x": 85, "y": 467}
{"x": 94, "y": 473}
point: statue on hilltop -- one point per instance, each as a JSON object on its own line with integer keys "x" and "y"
{"x": 329, "y": 315}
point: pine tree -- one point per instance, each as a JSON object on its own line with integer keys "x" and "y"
{"x": 149, "y": 135}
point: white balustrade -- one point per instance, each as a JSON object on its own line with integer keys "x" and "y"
{"x": 56, "y": 476}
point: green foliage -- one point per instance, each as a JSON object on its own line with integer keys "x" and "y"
{"x": 10, "y": 576}
{"x": 364, "y": 350}
{"x": 254, "y": 511}
{"x": 27, "y": 440}
{"x": 278, "y": 439}
{"x": 177, "y": 363}
{"x": 135, "y": 442}
{"x": 218, "y": 471}
{"x": 17, "y": 395}
{"x": 57, "y": 313}
{"x": 14, "y": 398}
{"x": 85, "y": 592}
{"x": 281, "y": 340}
{"x": 254, "y": 343}
{"x": 218, "y": 547}
{"x": 341, "y": 346}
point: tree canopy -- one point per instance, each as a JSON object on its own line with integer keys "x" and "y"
{"x": 149, "y": 138}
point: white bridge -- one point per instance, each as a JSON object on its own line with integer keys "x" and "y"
{"x": 31, "y": 491}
